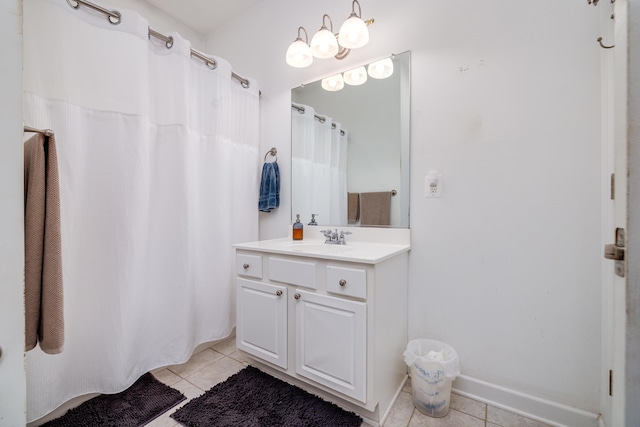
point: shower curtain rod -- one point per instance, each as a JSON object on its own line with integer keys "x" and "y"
{"x": 114, "y": 17}
{"x": 301, "y": 110}
{"x": 45, "y": 132}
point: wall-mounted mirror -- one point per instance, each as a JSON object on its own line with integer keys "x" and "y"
{"x": 350, "y": 148}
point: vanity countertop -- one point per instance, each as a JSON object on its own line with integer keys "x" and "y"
{"x": 369, "y": 247}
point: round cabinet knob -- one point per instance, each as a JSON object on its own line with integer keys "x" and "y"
{"x": 278, "y": 292}
{"x": 297, "y": 296}
{"x": 342, "y": 282}
{"x": 245, "y": 266}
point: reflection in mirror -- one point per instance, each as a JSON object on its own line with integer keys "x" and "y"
{"x": 350, "y": 146}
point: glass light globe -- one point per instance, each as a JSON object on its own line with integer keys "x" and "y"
{"x": 324, "y": 44}
{"x": 299, "y": 54}
{"x": 333, "y": 83}
{"x": 353, "y": 33}
{"x": 355, "y": 77}
{"x": 381, "y": 69}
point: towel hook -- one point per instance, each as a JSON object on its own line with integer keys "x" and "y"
{"x": 273, "y": 152}
{"x": 603, "y": 46}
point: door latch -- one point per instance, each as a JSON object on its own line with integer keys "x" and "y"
{"x": 615, "y": 251}
{"x": 612, "y": 251}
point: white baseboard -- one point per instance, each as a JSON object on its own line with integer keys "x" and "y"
{"x": 545, "y": 411}
{"x": 386, "y": 413}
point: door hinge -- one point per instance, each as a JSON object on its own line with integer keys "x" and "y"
{"x": 616, "y": 251}
{"x": 610, "y": 382}
{"x": 613, "y": 186}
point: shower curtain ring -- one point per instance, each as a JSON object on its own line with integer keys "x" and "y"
{"x": 113, "y": 16}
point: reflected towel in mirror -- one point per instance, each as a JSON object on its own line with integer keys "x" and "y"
{"x": 375, "y": 208}
{"x": 353, "y": 207}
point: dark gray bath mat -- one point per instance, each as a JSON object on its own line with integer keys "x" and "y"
{"x": 252, "y": 398}
{"x": 141, "y": 403}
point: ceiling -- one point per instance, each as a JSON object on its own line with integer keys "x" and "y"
{"x": 204, "y": 16}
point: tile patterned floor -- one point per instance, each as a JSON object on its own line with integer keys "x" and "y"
{"x": 215, "y": 364}
{"x": 464, "y": 412}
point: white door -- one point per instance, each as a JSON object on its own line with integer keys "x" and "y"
{"x": 331, "y": 343}
{"x": 615, "y": 133}
{"x": 632, "y": 344}
{"x": 261, "y": 324}
{"x": 12, "y": 375}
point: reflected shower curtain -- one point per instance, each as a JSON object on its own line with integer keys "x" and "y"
{"x": 319, "y": 167}
{"x": 158, "y": 163}
{"x": 339, "y": 138}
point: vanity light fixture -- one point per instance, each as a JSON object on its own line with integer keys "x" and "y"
{"x": 354, "y": 32}
{"x": 299, "y": 53}
{"x": 380, "y": 69}
{"x": 333, "y": 83}
{"x": 355, "y": 77}
{"x": 325, "y": 44}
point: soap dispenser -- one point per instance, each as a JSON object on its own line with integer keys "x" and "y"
{"x": 297, "y": 228}
{"x": 313, "y": 220}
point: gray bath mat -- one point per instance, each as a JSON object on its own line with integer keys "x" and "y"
{"x": 252, "y": 398}
{"x": 141, "y": 403}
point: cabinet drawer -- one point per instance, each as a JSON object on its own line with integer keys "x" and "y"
{"x": 249, "y": 265}
{"x": 347, "y": 281}
{"x": 299, "y": 273}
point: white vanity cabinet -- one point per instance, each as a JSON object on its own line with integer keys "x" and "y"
{"x": 332, "y": 324}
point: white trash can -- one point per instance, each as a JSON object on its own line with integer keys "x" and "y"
{"x": 434, "y": 365}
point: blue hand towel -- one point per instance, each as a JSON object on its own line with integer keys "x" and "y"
{"x": 269, "y": 187}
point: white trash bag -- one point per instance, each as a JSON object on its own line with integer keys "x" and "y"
{"x": 434, "y": 365}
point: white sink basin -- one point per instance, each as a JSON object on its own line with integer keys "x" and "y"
{"x": 374, "y": 246}
{"x": 316, "y": 247}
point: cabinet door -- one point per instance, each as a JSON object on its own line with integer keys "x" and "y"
{"x": 261, "y": 324}
{"x": 331, "y": 344}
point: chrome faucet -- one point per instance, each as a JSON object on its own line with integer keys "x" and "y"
{"x": 341, "y": 240}
{"x": 328, "y": 234}
{"x": 333, "y": 238}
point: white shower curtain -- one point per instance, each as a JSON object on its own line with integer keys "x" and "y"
{"x": 319, "y": 167}
{"x": 158, "y": 162}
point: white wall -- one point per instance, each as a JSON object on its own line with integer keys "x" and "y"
{"x": 12, "y": 376}
{"x": 505, "y": 266}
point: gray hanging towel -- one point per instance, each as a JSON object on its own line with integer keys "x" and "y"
{"x": 43, "y": 295}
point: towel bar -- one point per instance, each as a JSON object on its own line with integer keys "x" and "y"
{"x": 45, "y": 132}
